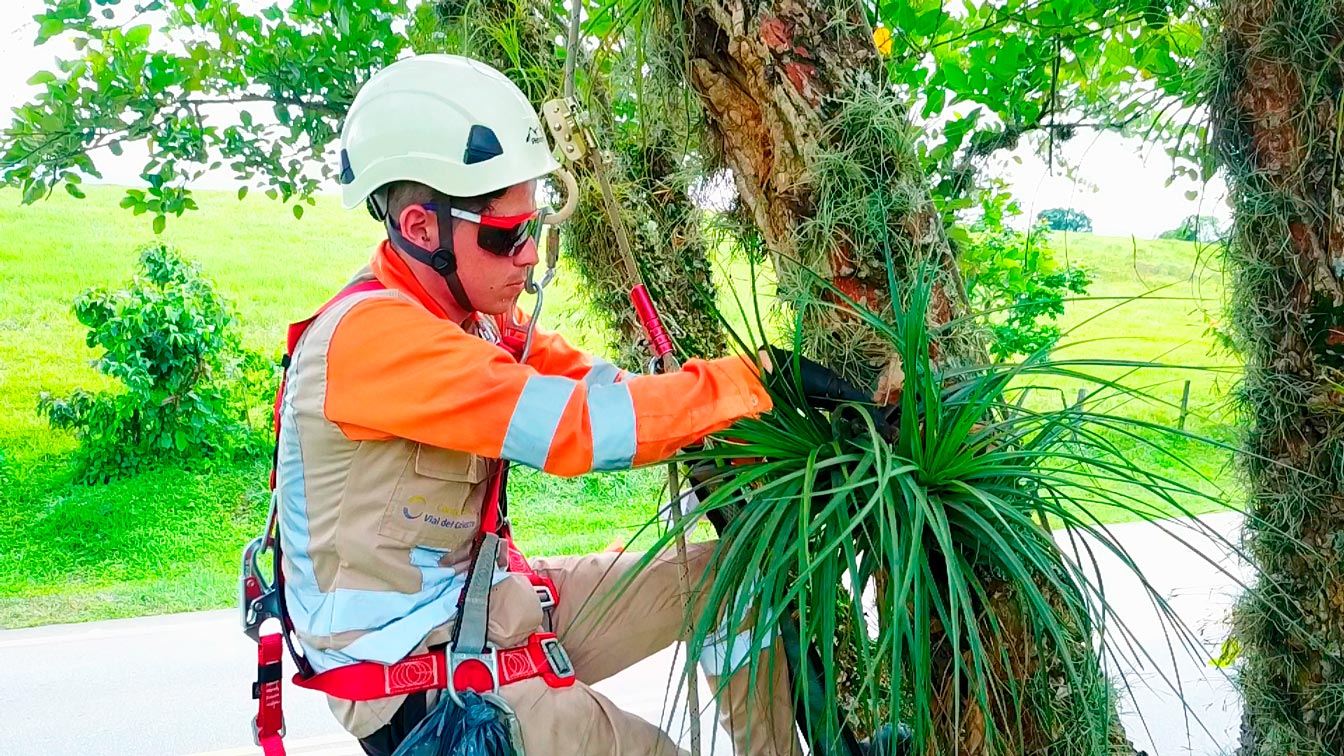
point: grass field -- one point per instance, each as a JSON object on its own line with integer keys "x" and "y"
{"x": 168, "y": 540}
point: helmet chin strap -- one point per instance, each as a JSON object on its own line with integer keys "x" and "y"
{"x": 442, "y": 260}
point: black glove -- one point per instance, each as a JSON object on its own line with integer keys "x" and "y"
{"x": 821, "y": 386}
{"x": 825, "y": 390}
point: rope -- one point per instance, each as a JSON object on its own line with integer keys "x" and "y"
{"x": 597, "y": 164}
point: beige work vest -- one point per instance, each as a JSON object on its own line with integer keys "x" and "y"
{"x": 377, "y": 534}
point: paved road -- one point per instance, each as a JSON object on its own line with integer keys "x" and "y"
{"x": 178, "y": 685}
{"x": 1199, "y": 588}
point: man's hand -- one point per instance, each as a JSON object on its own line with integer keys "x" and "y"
{"x": 821, "y": 386}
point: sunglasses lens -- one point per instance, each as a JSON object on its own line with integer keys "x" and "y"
{"x": 496, "y": 241}
{"x": 506, "y": 242}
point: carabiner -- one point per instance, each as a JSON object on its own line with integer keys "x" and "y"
{"x": 257, "y": 600}
{"x": 510, "y": 720}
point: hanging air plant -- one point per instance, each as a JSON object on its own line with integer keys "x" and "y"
{"x": 906, "y": 547}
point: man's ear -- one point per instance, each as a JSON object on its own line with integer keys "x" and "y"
{"x": 419, "y": 226}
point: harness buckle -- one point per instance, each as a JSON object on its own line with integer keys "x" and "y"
{"x": 545, "y": 595}
{"x": 257, "y": 598}
{"x": 456, "y": 659}
{"x": 256, "y": 730}
{"x": 557, "y": 657}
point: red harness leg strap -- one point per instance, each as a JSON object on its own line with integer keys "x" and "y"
{"x": 269, "y": 726}
{"x": 365, "y": 681}
{"x": 547, "y": 593}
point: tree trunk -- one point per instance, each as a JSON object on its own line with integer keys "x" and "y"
{"x": 796, "y": 106}
{"x": 519, "y": 37}
{"x": 824, "y": 165}
{"x": 1277, "y": 101}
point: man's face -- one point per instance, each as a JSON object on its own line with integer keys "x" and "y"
{"x": 493, "y": 283}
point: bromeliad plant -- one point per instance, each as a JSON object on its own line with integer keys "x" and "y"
{"x": 910, "y": 548}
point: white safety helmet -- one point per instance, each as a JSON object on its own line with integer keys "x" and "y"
{"x": 445, "y": 121}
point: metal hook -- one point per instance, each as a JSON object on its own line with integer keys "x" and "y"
{"x": 571, "y": 197}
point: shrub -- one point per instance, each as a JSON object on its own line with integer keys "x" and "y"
{"x": 1066, "y": 219}
{"x": 170, "y": 339}
{"x": 1013, "y": 280}
{"x": 1196, "y": 228}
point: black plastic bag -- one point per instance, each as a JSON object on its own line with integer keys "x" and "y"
{"x": 476, "y": 728}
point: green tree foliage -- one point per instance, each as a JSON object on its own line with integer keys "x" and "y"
{"x": 1014, "y": 281}
{"x": 983, "y": 76}
{"x": 260, "y": 88}
{"x": 172, "y": 73}
{"x": 1066, "y": 219}
{"x": 1196, "y": 228}
{"x": 169, "y": 339}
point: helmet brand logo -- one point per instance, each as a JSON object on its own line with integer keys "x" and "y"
{"x": 533, "y": 135}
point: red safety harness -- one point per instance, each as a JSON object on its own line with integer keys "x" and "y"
{"x": 482, "y": 670}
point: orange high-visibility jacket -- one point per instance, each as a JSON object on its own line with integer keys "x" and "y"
{"x": 397, "y": 369}
{"x": 390, "y": 417}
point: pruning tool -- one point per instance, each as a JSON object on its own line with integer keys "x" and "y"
{"x": 571, "y": 128}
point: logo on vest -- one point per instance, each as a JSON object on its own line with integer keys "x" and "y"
{"x": 448, "y": 523}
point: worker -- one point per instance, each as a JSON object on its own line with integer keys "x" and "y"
{"x": 405, "y": 396}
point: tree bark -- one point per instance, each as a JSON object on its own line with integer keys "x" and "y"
{"x": 664, "y": 224}
{"x": 824, "y": 166}
{"x": 796, "y": 106}
{"x": 1276, "y": 100}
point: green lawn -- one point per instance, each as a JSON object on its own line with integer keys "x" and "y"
{"x": 168, "y": 540}
{"x": 1151, "y": 301}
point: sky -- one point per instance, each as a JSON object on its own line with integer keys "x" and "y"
{"x": 1120, "y": 182}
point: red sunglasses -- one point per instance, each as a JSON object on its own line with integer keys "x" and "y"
{"x": 502, "y": 235}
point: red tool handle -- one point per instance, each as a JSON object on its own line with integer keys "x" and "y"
{"x": 653, "y": 325}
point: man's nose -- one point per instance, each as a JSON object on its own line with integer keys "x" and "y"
{"x": 527, "y": 256}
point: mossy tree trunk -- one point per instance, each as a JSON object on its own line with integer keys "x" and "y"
{"x": 824, "y": 164}
{"x": 822, "y": 155}
{"x": 1277, "y": 104}
{"x": 519, "y": 37}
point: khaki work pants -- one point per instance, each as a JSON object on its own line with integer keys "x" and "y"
{"x": 606, "y": 625}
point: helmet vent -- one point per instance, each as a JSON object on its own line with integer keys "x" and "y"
{"x": 482, "y": 144}
{"x": 347, "y": 173}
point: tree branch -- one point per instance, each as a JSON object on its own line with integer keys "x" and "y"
{"x": 316, "y": 107}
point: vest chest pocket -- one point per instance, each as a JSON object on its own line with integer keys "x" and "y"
{"x": 438, "y": 498}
